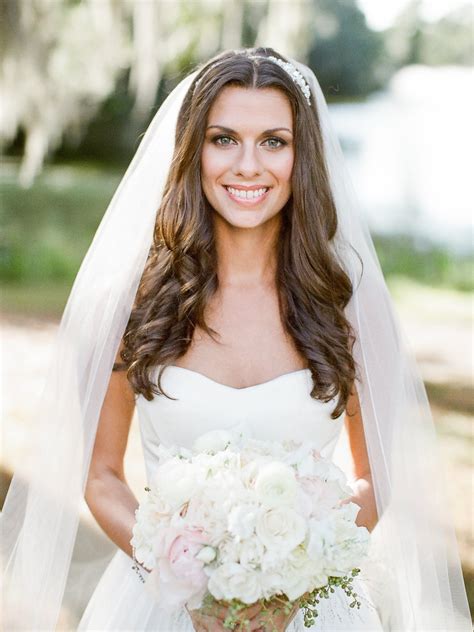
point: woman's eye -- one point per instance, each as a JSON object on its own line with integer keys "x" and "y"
{"x": 276, "y": 140}
{"x": 217, "y": 140}
{"x": 225, "y": 141}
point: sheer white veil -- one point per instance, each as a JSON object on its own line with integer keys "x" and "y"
{"x": 414, "y": 572}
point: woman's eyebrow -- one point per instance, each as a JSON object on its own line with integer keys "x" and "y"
{"x": 228, "y": 130}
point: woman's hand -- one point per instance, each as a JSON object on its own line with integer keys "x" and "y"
{"x": 253, "y": 618}
{"x": 275, "y": 617}
{"x": 211, "y": 618}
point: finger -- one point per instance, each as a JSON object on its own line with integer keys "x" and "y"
{"x": 198, "y": 624}
{"x": 252, "y": 611}
{"x": 246, "y": 613}
{"x": 214, "y": 609}
{"x": 203, "y": 623}
{"x": 254, "y": 625}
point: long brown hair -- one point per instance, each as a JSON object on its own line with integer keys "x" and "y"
{"x": 180, "y": 275}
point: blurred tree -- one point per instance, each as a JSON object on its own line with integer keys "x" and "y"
{"x": 287, "y": 27}
{"x": 344, "y": 52}
{"x": 450, "y": 40}
{"x": 412, "y": 40}
{"x": 61, "y": 60}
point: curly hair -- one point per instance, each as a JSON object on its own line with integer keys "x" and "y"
{"x": 180, "y": 275}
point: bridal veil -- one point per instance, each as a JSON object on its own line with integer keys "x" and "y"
{"x": 414, "y": 571}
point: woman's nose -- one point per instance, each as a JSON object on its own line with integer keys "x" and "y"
{"x": 247, "y": 162}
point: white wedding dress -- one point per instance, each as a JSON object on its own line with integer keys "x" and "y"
{"x": 277, "y": 409}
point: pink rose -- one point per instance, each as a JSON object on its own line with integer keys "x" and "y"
{"x": 178, "y": 577}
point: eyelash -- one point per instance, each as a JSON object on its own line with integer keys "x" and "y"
{"x": 280, "y": 140}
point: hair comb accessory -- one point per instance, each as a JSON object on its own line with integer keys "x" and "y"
{"x": 287, "y": 66}
{"x": 295, "y": 75}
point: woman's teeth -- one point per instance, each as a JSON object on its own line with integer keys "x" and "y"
{"x": 247, "y": 195}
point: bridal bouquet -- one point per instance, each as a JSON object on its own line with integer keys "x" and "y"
{"x": 240, "y": 520}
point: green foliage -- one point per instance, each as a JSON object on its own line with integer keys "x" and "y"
{"x": 411, "y": 40}
{"x": 404, "y": 256}
{"x": 310, "y": 602}
{"x": 48, "y": 228}
{"x": 345, "y": 53}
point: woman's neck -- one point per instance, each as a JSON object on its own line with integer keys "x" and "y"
{"x": 247, "y": 256}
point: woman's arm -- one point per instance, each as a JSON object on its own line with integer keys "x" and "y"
{"x": 362, "y": 483}
{"x": 107, "y": 493}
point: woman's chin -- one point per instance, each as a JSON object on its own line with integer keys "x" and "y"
{"x": 247, "y": 219}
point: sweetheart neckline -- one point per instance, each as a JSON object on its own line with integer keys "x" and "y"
{"x": 234, "y": 388}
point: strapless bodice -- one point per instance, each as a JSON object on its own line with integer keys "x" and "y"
{"x": 281, "y": 408}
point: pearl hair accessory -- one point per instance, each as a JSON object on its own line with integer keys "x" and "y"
{"x": 287, "y": 67}
{"x": 295, "y": 75}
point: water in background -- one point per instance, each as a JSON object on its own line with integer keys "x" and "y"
{"x": 409, "y": 154}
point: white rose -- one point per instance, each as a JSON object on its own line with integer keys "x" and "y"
{"x": 232, "y": 581}
{"x": 275, "y": 484}
{"x": 271, "y": 581}
{"x": 213, "y": 441}
{"x": 319, "y": 533}
{"x": 294, "y": 586}
{"x": 251, "y": 552}
{"x": 229, "y": 551}
{"x": 242, "y": 520}
{"x": 176, "y": 481}
{"x": 299, "y": 572}
{"x": 280, "y": 529}
{"x": 250, "y": 467}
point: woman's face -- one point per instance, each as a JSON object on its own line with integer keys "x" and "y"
{"x": 248, "y": 154}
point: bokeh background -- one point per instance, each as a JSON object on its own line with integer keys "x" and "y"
{"x": 81, "y": 79}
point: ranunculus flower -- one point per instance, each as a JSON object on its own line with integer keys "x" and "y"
{"x": 280, "y": 529}
{"x": 213, "y": 441}
{"x": 233, "y": 580}
{"x": 176, "y": 482}
{"x": 251, "y": 551}
{"x": 275, "y": 484}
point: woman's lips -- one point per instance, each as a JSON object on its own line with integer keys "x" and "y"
{"x": 247, "y": 201}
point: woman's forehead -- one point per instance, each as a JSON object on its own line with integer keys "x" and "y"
{"x": 251, "y": 106}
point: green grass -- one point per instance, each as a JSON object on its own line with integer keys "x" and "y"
{"x": 430, "y": 264}
{"x": 47, "y": 229}
{"x": 38, "y": 300}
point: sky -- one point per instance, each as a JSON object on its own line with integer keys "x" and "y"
{"x": 381, "y": 14}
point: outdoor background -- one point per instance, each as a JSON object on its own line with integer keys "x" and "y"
{"x": 81, "y": 80}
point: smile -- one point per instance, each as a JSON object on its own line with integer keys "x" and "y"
{"x": 247, "y": 198}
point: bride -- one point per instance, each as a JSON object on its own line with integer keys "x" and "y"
{"x": 232, "y": 282}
